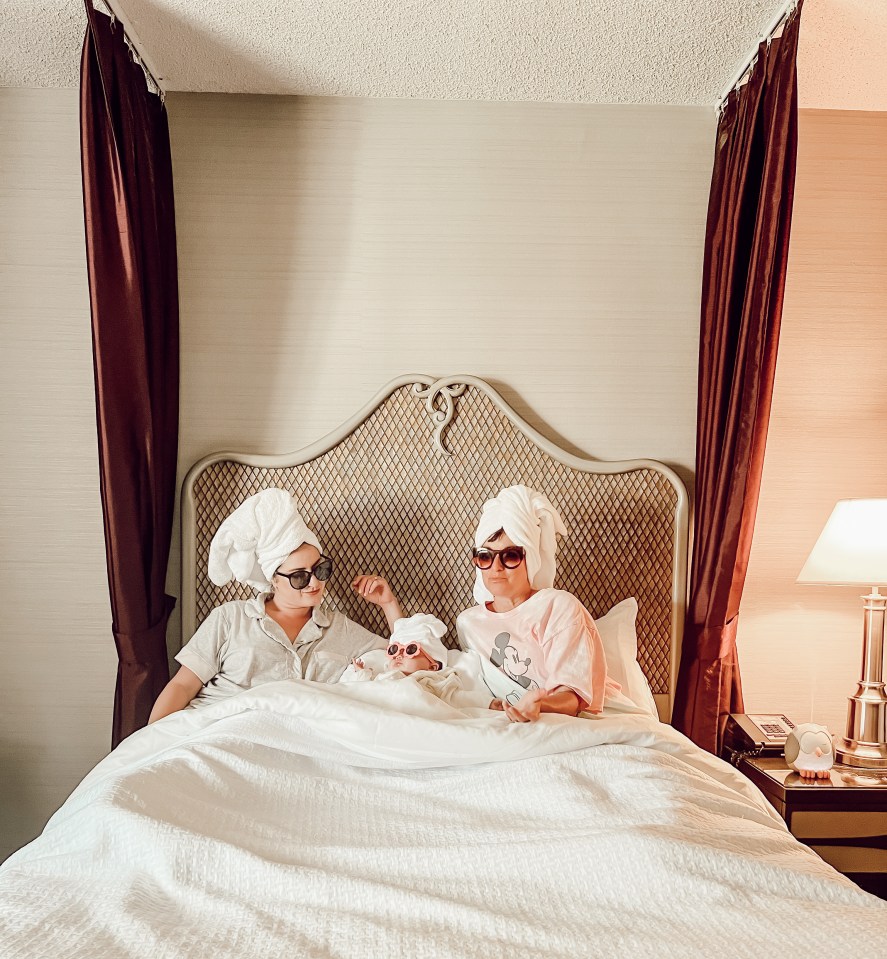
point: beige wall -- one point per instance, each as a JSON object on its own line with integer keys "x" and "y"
{"x": 800, "y": 646}
{"x": 325, "y": 247}
{"x": 328, "y": 245}
{"x": 55, "y": 640}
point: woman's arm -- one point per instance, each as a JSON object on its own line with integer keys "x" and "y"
{"x": 532, "y": 704}
{"x": 177, "y": 693}
{"x": 574, "y": 656}
{"x": 374, "y": 589}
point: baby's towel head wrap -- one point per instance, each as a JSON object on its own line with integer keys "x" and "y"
{"x": 256, "y": 538}
{"x": 529, "y": 520}
{"x": 425, "y": 630}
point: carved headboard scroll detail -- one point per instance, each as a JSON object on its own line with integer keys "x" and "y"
{"x": 398, "y": 490}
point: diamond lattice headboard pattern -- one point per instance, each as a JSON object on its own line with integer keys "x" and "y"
{"x": 398, "y": 491}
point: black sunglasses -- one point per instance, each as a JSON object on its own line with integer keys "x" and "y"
{"x": 511, "y": 557}
{"x": 300, "y": 578}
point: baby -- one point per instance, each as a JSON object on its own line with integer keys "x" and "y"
{"x": 416, "y": 652}
{"x": 415, "y": 647}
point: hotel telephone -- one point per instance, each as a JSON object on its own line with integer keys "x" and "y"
{"x": 755, "y": 734}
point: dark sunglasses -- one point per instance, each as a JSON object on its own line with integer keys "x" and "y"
{"x": 300, "y": 578}
{"x": 511, "y": 557}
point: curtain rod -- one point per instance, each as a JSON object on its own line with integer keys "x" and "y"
{"x": 104, "y": 6}
{"x": 787, "y": 10}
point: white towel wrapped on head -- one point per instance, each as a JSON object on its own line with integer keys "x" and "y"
{"x": 529, "y": 520}
{"x": 256, "y": 538}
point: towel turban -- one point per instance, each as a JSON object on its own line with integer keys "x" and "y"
{"x": 256, "y": 538}
{"x": 529, "y": 520}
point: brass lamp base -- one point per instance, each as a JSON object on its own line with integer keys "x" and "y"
{"x": 866, "y": 741}
{"x": 864, "y": 744}
{"x": 848, "y": 752}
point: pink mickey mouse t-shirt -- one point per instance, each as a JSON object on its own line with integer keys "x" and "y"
{"x": 547, "y": 641}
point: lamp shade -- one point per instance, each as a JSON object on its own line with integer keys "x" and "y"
{"x": 852, "y": 548}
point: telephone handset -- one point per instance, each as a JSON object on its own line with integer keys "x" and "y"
{"x": 754, "y": 734}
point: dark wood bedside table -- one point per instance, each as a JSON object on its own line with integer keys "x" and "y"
{"x": 843, "y": 819}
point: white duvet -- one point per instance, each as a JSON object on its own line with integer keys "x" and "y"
{"x": 374, "y": 820}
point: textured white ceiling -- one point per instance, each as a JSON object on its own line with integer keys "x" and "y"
{"x": 594, "y": 51}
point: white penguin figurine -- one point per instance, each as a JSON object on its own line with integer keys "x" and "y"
{"x": 808, "y": 750}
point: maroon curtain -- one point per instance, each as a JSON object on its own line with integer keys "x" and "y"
{"x": 133, "y": 286}
{"x": 746, "y": 250}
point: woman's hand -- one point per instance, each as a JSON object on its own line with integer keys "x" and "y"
{"x": 375, "y": 589}
{"x": 528, "y": 708}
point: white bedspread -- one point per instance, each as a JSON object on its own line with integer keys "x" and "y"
{"x": 375, "y": 821}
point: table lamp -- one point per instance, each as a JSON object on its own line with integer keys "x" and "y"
{"x": 852, "y": 551}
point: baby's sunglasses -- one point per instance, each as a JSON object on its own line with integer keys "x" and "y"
{"x": 411, "y": 650}
{"x": 300, "y": 578}
{"x": 511, "y": 557}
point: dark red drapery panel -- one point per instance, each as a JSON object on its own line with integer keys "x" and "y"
{"x": 746, "y": 252}
{"x": 133, "y": 285}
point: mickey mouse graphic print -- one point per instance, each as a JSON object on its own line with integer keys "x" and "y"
{"x": 547, "y": 641}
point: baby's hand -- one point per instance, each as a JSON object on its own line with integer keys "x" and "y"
{"x": 357, "y": 663}
{"x": 374, "y": 589}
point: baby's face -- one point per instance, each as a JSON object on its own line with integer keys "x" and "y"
{"x": 410, "y": 664}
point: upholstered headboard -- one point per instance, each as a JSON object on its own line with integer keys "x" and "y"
{"x": 398, "y": 490}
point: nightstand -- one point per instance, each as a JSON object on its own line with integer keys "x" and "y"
{"x": 843, "y": 819}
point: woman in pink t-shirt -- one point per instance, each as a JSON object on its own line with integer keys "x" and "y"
{"x": 543, "y": 638}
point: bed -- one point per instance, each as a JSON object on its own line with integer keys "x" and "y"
{"x": 375, "y": 820}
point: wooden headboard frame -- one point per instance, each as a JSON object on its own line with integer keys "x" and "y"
{"x": 398, "y": 490}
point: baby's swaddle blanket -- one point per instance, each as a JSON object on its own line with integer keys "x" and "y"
{"x": 444, "y": 683}
{"x": 460, "y": 683}
{"x": 468, "y": 681}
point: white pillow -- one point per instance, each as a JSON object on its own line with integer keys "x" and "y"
{"x": 617, "y": 629}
